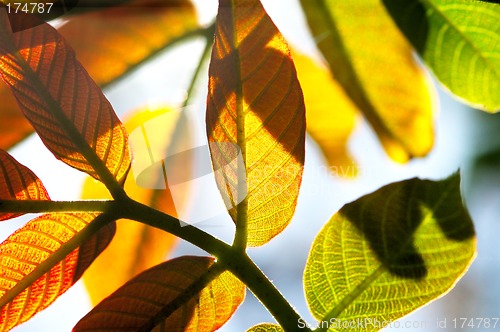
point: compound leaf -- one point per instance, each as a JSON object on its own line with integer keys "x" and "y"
{"x": 66, "y": 108}
{"x": 388, "y": 253}
{"x": 43, "y": 259}
{"x": 165, "y": 298}
{"x": 374, "y": 63}
{"x": 255, "y": 121}
{"x": 459, "y": 41}
{"x": 17, "y": 182}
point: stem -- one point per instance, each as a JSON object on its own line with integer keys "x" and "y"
{"x": 245, "y": 269}
{"x": 232, "y": 258}
{"x": 39, "y": 206}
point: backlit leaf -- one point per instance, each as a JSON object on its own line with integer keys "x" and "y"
{"x": 374, "y": 63}
{"x": 138, "y": 303}
{"x": 459, "y": 40}
{"x": 37, "y": 266}
{"x": 13, "y": 125}
{"x": 136, "y": 246}
{"x": 17, "y": 182}
{"x": 117, "y": 39}
{"x": 66, "y": 108}
{"x": 331, "y": 115}
{"x": 266, "y": 328}
{"x": 389, "y": 253}
{"x": 255, "y": 120}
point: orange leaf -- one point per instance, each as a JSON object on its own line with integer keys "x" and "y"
{"x": 136, "y": 246}
{"x": 13, "y": 125}
{"x": 255, "y": 107}
{"x": 118, "y": 38}
{"x": 18, "y": 182}
{"x": 137, "y": 304}
{"x": 66, "y": 108}
{"x": 37, "y": 265}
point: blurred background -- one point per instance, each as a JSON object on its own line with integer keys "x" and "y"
{"x": 467, "y": 140}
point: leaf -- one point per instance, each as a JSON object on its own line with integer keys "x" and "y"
{"x": 38, "y": 264}
{"x": 374, "y": 63}
{"x": 134, "y": 306}
{"x": 13, "y": 125}
{"x": 136, "y": 246}
{"x": 458, "y": 40}
{"x": 331, "y": 115}
{"x": 389, "y": 253}
{"x": 118, "y": 39}
{"x": 66, "y": 108}
{"x": 18, "y": 182}
{"x": 255, "y": 121}
{"x": 266, "y": 327}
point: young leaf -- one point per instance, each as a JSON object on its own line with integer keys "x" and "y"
{"x": 389, "y": 253}
{"x": 459, "y": 41}
{"x": 13, "y": 125}
{"x": 43, "y": 259}
{"x": 255, "y": 121}
{"x": 266, "y": 327}
{"x": 66, "y": 108}
{"x": 374, "y": 63}
{"x": 136, "y": 246}
{"x": 117, "y": 39}
{"x": 17, "y": 182}
{"x": 331, "y": 115}
{"x": 161, "y": 297}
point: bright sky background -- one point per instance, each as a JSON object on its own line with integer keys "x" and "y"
{"x": 321, "y": 195}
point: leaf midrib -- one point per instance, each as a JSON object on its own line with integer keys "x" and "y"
{"x": 464, "y": 36}
{"x": 68, "y": 127}
{"x": 365, "y": 284}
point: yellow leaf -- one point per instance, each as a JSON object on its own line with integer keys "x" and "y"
{"x": 146, "y": 302}
{"x": 33, "y": 273}
{"x": 67, "y": 109}
{"x": 374, "y": 63}
{"x": 136, "y": 246}
{"x": 118, "y": 38}
{"x": 18, "y": 182}
{"x": 331, "y": 115}
{"x": 255, "y": 121}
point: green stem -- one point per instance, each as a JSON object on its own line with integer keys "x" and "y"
{"x": 245, "y": 269}
{"x": 232, "y": 258}
{"x": 36, "y": 206}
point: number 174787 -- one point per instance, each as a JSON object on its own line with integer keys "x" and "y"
{"x": 29, "y": 7}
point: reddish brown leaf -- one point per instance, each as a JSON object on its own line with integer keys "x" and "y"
{"x": 35, "y": 268}
{"x": 17, "y": 182}
{"x": 138, "y": 303}
{"x": 255, "y": 106}
{"x": 66, "y": 108}
{"x": 13, "y": 125}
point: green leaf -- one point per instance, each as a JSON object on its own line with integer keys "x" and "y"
{"x": 374, "y": 63}
{"x": 266, "y": 327}
{"x": 389, "y": 253}
{"x": 460, "y": 41}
